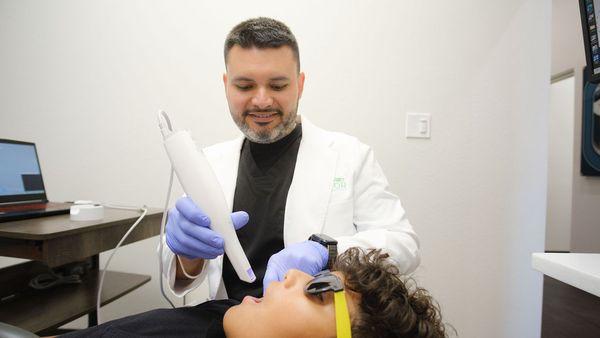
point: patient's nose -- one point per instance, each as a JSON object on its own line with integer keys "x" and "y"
{"x": 293, "y": 277}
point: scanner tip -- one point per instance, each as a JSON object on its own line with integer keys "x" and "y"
{"x": 251, "y": 274}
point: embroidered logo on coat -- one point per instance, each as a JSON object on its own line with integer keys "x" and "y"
{"x": 339, "y": 184}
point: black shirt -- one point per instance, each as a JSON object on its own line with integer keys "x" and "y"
{"x": 204, "y": 321}
{"x": 264, "y": 177}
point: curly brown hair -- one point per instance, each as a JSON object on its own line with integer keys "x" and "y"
{"x": 387, "y": 307}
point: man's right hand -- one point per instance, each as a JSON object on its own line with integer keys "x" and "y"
{"x": 188, "y": 233}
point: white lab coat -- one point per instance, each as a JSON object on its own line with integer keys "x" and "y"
{"x": 338, "y": 189}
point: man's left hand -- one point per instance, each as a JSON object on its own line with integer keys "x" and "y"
{"x": 308, "y": 256}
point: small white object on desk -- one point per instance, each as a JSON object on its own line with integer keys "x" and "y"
{"x": 79, "y": 202}
{"x": 581, "y": 270}
{"x": 87, "y": 212}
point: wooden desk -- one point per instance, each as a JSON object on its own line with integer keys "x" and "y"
{"x": 54, "y": 241}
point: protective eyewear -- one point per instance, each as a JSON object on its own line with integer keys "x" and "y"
{"x": 326, "y": 281}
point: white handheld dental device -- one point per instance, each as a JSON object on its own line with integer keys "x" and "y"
{"x": 200, "y": 183}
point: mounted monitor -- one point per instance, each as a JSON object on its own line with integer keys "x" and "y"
{"x": 590, "y": 12}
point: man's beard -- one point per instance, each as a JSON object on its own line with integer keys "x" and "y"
{"x": 288, "y": 123}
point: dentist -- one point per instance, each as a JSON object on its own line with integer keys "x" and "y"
{"x": 286, "y": 179}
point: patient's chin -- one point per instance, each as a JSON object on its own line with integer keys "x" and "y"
{"x": 246, "y": 320}
{"x": 229, "y": 320}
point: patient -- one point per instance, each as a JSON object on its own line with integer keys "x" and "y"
{"x": 378, "y": 301}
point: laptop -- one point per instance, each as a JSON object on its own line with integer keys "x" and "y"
{"x": 22, "y": 192}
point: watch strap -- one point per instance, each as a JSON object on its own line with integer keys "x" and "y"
{"x": 330, "y": 244}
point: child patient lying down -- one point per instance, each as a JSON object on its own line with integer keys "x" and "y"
{"x": 364, "y": 296}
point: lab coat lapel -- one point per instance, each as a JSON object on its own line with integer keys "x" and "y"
{"x": 225, "y": 162}
{"x": 309, "y": 193}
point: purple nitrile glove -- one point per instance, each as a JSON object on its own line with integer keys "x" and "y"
{"x": 188, "y": 233}
{"x": 308, "y": 256}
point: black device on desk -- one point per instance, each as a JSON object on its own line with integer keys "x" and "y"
{"x": 22, "y": 191}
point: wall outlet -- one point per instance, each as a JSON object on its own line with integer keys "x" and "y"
{"x": 418, "y": 125}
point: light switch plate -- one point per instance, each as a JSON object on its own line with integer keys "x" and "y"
{"x": 418, "y": 125}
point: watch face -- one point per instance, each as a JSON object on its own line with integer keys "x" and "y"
{"x": 330, "y": 244}
{"x": 323, "y": 239}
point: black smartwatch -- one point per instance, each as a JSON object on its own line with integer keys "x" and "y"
{"x": 329, "y": 243}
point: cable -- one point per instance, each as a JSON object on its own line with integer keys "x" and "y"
{"x": 121, "y": 206}
{"x": 144, "y": 210}
{"x": 51, "y": 278}
{"x": 165, "y": 130}
{"x": 161, "y": 242}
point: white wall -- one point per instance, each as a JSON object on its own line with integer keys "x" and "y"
{"x": 560, "y": 165}
{"x": 568, "y": 53}
{"x": 85, "y": 79}
{"x": 567, "y": 40}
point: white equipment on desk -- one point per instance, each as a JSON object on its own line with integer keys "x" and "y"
{"x": 87, "y": 212}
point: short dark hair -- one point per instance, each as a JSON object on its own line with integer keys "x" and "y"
{"x": 387, "y": 307}
{"x": 262, "y": 33}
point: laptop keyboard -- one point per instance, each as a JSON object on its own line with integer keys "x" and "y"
{"x": 23, "y": 207}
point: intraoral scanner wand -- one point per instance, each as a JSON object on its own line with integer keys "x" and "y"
{"x": 200, "y": 183}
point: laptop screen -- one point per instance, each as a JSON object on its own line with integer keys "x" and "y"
{"x": 20, "y": 174}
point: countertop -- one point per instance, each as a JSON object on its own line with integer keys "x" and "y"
{"x": 581, "y": 270}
